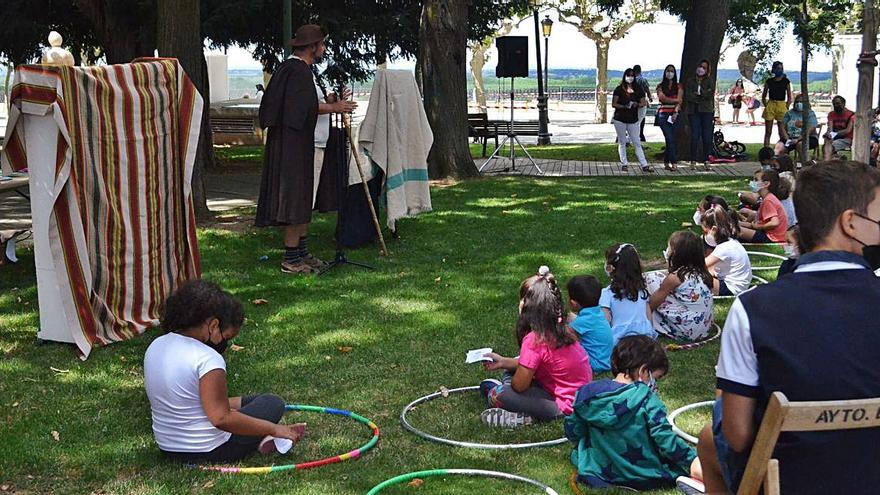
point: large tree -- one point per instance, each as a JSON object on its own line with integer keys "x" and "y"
{"x": 592, "y": 21}
{"x": 179, "y": 35}
{"x": 125, "y": 29}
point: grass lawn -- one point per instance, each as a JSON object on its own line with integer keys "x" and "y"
{"x": 449, "y": 285}
{"x": 596, "y": 152}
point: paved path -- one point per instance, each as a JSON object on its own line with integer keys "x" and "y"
{"x": 229, "y": 191}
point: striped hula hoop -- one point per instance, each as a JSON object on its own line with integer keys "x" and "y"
{"x": 354, "y": 454}
{"x": 457, "y": 443}
{"x": 696, "y": 344}
{"x": 674, "y": 414}
{"x": 460, "y": 472}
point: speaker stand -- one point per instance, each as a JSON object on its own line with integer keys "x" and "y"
{"x": 513, "y": 140}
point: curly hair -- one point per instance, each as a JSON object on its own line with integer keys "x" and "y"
{"x": 633, "y": 352}
{"x": 543, "y": 312}
{"x": 626, "y": 279}
{"x": 197, "y": 301}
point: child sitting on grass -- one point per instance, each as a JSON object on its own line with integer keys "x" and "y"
{"x": 619, "y": 429}
{"x": 681, "y": 298}
{"x": 728, "y": 262}
{"x": 625, "y": 300}
{"x": 590, "y": 323}
{"x": 540, "y": 384}
{"x": 185, "y": 378}
{"x": 769, "y": 223}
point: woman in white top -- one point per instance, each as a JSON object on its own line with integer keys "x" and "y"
{"x": 728, "y": 262}
{"x": 194, "y": 420}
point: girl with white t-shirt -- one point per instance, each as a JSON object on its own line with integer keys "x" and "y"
{"x": 194, "y": 420}
{"x": 728, "y": 262}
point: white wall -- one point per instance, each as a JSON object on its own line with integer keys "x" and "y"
{"x": 847, "y": 74}
{"x": 218, "y": 76}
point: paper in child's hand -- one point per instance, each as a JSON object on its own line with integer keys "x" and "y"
{"x": 478, "y": 355}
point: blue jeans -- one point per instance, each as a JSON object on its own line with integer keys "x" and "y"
{"x": 671, "y": 154}
{"x": 702, "y": 128}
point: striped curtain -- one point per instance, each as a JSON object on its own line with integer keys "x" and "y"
{"x": 122, "y": 229}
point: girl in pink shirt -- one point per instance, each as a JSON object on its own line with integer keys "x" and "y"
{"x": 541, "y": 383}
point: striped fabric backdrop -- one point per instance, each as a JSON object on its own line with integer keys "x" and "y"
{"x": 122, "y": 229}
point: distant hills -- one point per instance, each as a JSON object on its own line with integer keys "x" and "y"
{"x": 652, "y": 75}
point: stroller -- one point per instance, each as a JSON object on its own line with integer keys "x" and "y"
{"x": 726, "y": 151}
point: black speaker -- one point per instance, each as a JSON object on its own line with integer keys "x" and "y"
{"x": 513, "y": 56}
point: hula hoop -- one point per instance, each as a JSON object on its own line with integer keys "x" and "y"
{"x": 766, "y": 255}
{"x": 457, "y": 443}
{"x": 674, "y": 414}
{"x": 696, "y": 344}
{"x": 460, "y": 472}
{"x": 755, "y": 278}
{"x": 354, "y": 454}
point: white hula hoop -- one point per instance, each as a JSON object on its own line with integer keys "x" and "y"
{"x": 766, "y": 255}
{"x": 674, "y": 414}
{"x": 457, "y": 443}
{"x": 755, "y": 278}
{"x": 461, "y": 472}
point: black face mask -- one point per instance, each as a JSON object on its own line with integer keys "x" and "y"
{"x": 838, "y": 108}
{"x": 220, "y": 347}
{"x": 871, "y": 253}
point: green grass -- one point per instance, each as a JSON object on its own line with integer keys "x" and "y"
{"x": 449, "y": 285}
{"x": 596, "y": 152}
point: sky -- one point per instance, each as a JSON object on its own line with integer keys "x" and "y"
{"x": 651, "y": 45}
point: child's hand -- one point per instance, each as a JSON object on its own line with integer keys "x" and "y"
{"x": 495, "y": 363}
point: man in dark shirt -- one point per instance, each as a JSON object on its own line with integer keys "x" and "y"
{"x": 642, "y": 84}
{"x": 812, "y": 335}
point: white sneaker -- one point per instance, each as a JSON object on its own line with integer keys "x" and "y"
{"x": 506, "y": 419}
{"x": 690, "y": 486}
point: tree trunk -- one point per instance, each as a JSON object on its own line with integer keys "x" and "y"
{"x": 864, "y": 100}
{"x": 836, "y": 53}
{"x": 603, "y": 45}
{"x": 478, "y": 61}
{"x": 805, "y": 95}
{"x": 179, "y": 35}
{"x": 704, "y": 33}
{"x": 443, "y": 49}
{"x": 122, "y": 42}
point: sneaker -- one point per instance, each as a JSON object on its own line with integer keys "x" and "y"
{"x": 487, "y": 385}
{"x": 267, "y": 445}
{"x": 690, "y": 486}
{"x": 505, "y": 419}
{"x": 624, "y": 168}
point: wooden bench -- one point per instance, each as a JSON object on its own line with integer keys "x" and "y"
{"x": 783, "y": 415}
{"x": 481, "y": 129}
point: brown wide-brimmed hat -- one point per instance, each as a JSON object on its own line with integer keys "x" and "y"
{"x": 307, "y": 35}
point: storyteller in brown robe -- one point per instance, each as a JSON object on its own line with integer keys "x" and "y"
{"x": 289, "y": 110}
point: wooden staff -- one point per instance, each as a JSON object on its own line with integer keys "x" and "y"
{"x": 346, "y": 121}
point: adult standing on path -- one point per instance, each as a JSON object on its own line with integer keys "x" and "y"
{"x": 735, "y": 98}
{"x": 699, "y": 98}
{"x": 776, "y": 98}
{"x": 626, "y": 101}
{"x": 670, "y": 94}
{"x": 642, "y": 84}
{"x": 289, "y": 109}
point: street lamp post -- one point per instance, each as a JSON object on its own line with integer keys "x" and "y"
{"x": 543, "y": 135}
{"x": 547, "y": 26}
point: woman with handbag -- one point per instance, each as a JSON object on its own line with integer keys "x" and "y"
{"x": 735, "y": 98}
{"x": 670, "y": 94}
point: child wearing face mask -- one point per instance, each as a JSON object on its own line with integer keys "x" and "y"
{"x": 728, "y": 262}
{"x": 770, "y": 222}
{"x": 185, "y": 379}
{"x": 791, "y": 250}
{"x": 800, "y": 124}
{"x": 681, "y": 296}
{"x": 625, "y": 300}
{"x": 619, "y": 429}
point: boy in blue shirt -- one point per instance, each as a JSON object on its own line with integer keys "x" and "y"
{"x": 589, "y": 321}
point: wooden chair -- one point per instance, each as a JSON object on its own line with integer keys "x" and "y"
{"x": 782, "y": 415}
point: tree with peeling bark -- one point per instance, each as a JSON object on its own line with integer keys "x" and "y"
{"x": 179, "y": 35}
{"x": 593, "y": 21}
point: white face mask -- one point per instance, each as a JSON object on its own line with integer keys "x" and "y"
{"x": 670, "y": 74}
{"x": 698, "y": 217}
{"x": 790, "y": 251}
{"x": 629, "y": 79}
{"x": 709, "y": 239}
{"x": 666, "y": 254}
{"x": 608, "y": 271}
{"x": 701, "y": 71}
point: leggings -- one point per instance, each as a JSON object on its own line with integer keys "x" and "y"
{"x": 535, "y": 401}
{"x": 266, "y": 406}
{"x": 629, "y": 132}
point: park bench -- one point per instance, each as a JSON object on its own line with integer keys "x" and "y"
{"x": 481, "y": 129}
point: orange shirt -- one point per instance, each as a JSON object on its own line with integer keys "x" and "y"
{"x": 772, "y": 207}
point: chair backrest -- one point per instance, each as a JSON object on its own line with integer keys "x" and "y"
{"x": 782, "y": 415}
